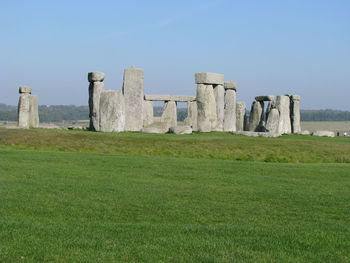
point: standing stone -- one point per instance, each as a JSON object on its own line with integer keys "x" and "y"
{"x": 133, "y": 90}
{"x": 230, "y": 111}
{"x": 295, "y": 113}
{"x": 95, "y": 88}
{"x": 272, "y": 122}
{"x": 33, "y": 112}
{"x": 283, "y": 106}
{"x": 23, "y": 110}
{"x": 169, "y": 115}
{"x": 112, "y": 111}
{"x": 147, "y": 113}
{"x": 246, "y": 121}
{"x": 206, "y": 108}
{"x": 240, "y": 112}
{"x": 219, "y": 93}
{"x": 192, "y": 113}
{"x": 256, "y": 115}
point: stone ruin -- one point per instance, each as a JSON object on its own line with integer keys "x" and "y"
{"x": 28, "y": 116}
{"x": 214, "y": 108}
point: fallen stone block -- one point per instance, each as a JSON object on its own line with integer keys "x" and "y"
{"x": 258, "y": 134}
{"x": 324, "y": 133}
{"x": 181, "y": 129}
{"x": 305, "y": 132}
{"x": 156, "y": 127}
{"x": 209, "y": 78}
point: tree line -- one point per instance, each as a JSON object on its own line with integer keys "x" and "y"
{"x": 57, "y": 113}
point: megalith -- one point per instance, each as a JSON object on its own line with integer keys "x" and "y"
{"x": 240, "y": 112}
{"x": 283, "y": 106}
{"x": 272, "y": 122}
{"x": 133, "y": 91}
{"x": 256, "y": 115}
{"x": 295, "y": 113}
{"x": 95, "y": 88}
{"x": 219, "y": 93}
{"x": 206, "y": 108}
{"x": 148, "y": 113}
{"x": 169, "y": 115}
{"x": 111, "y": 111}
{"x": 192, "y": 113}
{"x": 230, "y": 107}
{"x": 28, "y": 115}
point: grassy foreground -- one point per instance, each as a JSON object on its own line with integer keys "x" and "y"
{"x": 61, "y": 205}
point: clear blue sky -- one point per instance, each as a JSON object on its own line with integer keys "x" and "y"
{"x": 266, "y": 46}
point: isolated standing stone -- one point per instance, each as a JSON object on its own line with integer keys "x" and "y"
{"x": 240, "y": 112}
{"x": 206, "y": 108}
{"x": 295, "y": 113}
{"x": 283, "y": 106}
{"x": 192, "y": 113}
{"x": 272, "y": 122}
{"x": 95, "y": 88}
{"x": 256, "y": 115}
{"x": 147, "y": 113}
{"x": 112, "y": 111}
{"x": 133, "y": 90}
{"x": 219, "y": 93}
{"x": 169, "y": 115}
{"x": 230, "y": 111}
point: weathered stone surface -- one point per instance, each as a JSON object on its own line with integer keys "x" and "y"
{"x": 209, "y": 78}
{"x": 23, "y": 110}
{"x": 230, "y": 111}
{"x": 133, "y": 91}
{"x": 25, "y": 89}
{"x": 180, "y": 98}
{"x": 295, "y": 113}
{"x": 219, "y": 93}
{"x": 33, "y": 112}
{"x": 246, "y": 122}
{"x": 230, "y": 85}
{"x": 156, "y": 127}
{"x": 192, "y": 114}
{"x": 283, "y": 106}
{"x": 95, "y": 89}
{"x": 265, "y": 98}
{"x": 112, "y": 111}
{"x": 256, "y": 115}
{"x": 206, "y": 108}
{"x": 305, "y": 132}
{"x": 272, "y": 122}
{"x": 240, "y": 112}
{"x": 147, "y": 113}
{"x": 181, "y": 129}
{"x": 324, "y": 133}
{"x": 169, "y": 115}
{"x": 96, "y": 76}
{"x": 258, "y": 134}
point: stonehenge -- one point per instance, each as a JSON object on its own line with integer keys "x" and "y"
{"x": 28, "y": 115}
{"x": 214, "y": 108}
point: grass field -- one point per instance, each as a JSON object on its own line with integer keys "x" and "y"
{"x": 336, "y": 126}
{"x": 74, "y": 196}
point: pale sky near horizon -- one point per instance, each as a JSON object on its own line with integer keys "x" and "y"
{"x": 268, "y": 47}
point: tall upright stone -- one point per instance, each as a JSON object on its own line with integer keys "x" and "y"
{"x": 256, "y": 115}
{"x": 111, "y": 111}
{"x": 230, "y": 107}
{"x": 148, "y": 115}
{"x": 28, "y": 115}
{"x": 283, "y": 106}
{"x": 240, "y": 112}
{"x": 219, "y": 93}
{"x": 272, "y": 122}
{"x": 133, "y": 90}
{"x": 192, "y": 113}
{"x": 206, "y": 108}
{"x": 95, "y": 88}
{"x": 169, "y": 115}
{"x": 295, "y": 113}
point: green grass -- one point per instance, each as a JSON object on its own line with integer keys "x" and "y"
{"x": 130, "y": 198}
{"x": 336, "y": 126}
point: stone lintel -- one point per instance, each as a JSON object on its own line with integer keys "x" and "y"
{"x": 230, "y": 85}
{"x": 25, "y": 89}
{"x": 295, "y": 97}
{"x": 181, "y": 98}
{"x": 209, "y": 78}
{"x": 265, "y": 98}
{"x": 96, "y": 76}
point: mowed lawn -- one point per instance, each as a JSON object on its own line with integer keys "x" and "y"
{"x": 62, "y": 205}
